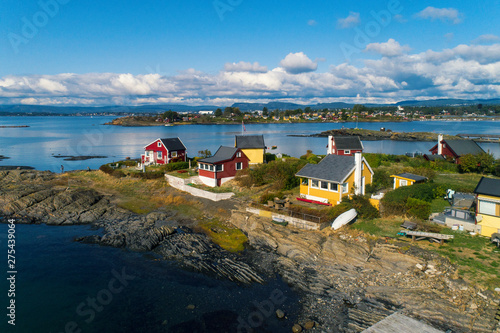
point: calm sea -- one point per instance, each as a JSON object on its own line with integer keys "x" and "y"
{"x": 47, "y": 137}
{"x": 57, "y": 279}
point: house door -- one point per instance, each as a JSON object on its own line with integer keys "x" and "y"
{"x": 151, "y": 156}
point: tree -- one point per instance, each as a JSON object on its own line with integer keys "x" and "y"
{"x": 218, "y": 112}
{"x": 204, "y": 153}
{"x": 265, "y": 112}
{"x": 468, "y": 163}
{"x": 228, "y": 111}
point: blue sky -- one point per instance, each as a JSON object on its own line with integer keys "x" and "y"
{"x": 68, "y": 52}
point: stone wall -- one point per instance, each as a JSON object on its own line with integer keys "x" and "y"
{"x": 182, "y": 184}
{"x": 293, "y": 221}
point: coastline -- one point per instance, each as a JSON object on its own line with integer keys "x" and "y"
{"x": 324, "y": 267}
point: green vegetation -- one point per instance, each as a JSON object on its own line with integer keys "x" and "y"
{"x": 281, "y": 174}
{"x": 226, "y": 236}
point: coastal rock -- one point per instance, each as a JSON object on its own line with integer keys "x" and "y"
{"x": 296, "y": 328}
{"x": 280, "y": 314}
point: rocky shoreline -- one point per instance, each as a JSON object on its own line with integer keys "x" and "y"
{"x": 346, "y": 282}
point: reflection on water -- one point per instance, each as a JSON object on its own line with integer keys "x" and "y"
{"x": 51, "y": 136}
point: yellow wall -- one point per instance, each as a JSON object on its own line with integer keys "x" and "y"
{"x": 375, "y": 203}
{"x": 334, "y": 197}
{"x": 397, "y": 179}
{"x": 256, "y": 156}
{"x": 490, "y": 224}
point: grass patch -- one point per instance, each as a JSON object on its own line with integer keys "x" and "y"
{"x": 438, "y": 205}
{"x": 463, "y": 181}
{"x": 228, "y": 237}
{"x": 379, "y": 227}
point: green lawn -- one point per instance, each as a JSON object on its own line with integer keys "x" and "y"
{"x": 438, "y": 205}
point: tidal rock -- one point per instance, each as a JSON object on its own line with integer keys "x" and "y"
{"x": 280, "y": 314}
{"x": 296, "y": 328}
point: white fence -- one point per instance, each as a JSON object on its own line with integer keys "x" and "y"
{"x": 182, "y": 184}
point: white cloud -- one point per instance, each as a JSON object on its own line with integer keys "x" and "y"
{"x": 243, "y": 66}
{"x": 350, "y": 21}
{"x": 296, "y": 63}
{"x": 444, "y": 14}
{"x": 486, "y": 39}
{"x": 465, "y": 71}
{"x": 449, "y": 36}
{"x": 400, "y": 18}
{"x": 312, "y": 22}
{"x": 389, "y": 49}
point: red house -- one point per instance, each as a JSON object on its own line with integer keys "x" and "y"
{"x": 455, "y": 148}
{"x": 164, "y": 151}
{"x": 344, "y": 145}
{"x": 222, "y": 166}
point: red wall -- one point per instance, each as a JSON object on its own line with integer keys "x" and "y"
{"x": 340, "y": 152}
{"x": 229, "y": 168}
{"x": 445, "y": 152}
{"x": 181, "y": 154}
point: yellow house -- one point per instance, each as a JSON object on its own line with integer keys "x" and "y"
{"x": 334, "y": 177}
{"x": 407, "y": 179}
{"x": 488, "y": 206}
{"x": 252, "y": 146}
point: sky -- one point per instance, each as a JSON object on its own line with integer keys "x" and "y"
{"x": 218, "y": 52}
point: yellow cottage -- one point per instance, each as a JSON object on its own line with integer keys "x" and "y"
{"x": 334, "y": 177}
{"x": 407, "y": 179}
{"x": 488, "y": 206}
{"x": 252, "y": 146}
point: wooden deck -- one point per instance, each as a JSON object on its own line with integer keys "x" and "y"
{"x": 399, "y": 323}
{"x": 434, "y": 237}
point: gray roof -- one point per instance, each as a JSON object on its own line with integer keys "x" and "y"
{"x": 463, "y": 200}
{"x": 332, "y": 168}
{"x": 434, "y": 157}
{"x": 250, "y": 141}
{"x": 173, "y": 144}
{"x": 222, "y": 154}
{"x": 416, "y": 178}
{"x": 348, "y": 142}
{"x": 463, "y": 147}
{"x": 488, "y": 186}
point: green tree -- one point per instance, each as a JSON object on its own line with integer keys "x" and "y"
{"x": 468, "y": 163}
{"x": 265, "y": 111}
{"x": 204, "y": 153}
{"x": 218, "y": 112}
{"x": 228, "y": 111}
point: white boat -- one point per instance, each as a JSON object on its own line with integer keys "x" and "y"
{"x": 344, "y": 218}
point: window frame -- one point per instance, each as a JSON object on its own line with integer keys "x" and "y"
{"x": 313, "y": 181}
{"x": 240, "y": 165}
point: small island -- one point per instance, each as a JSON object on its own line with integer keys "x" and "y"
{"x": 383, "y": 134}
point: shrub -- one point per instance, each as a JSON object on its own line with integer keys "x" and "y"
{"x": 106, "y": 169}
{"x": 148, "y": 175}
{"x": 118, "y": 174}
{"x": 269, "y": 196}
{"x": 176, "y": 166}
{"x": 418, "y": 208}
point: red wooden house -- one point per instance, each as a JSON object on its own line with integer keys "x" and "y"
{"x": 455, "y": 148}
{"x": 344, "y": 145}
{"x": 164, "y": 151}
{"x": 222, "y": 166}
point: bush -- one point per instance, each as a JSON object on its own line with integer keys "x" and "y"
{"x": 106, "y": 168}
{"x": 419, "y": 209}
{"x": 269, "y": 196}
{"x": 176, "y": 166}
{"x": 148, "y": 175}
{"x": 118, "y": 174}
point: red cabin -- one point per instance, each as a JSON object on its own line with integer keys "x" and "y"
{"x": 222, "y": 166}
{"x": 344, "y": 145}
{"x": 164, "y": 151}
{"x": 455, "y": 148}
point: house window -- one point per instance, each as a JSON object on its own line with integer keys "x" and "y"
{"x": 239, "y": 165}
{"x": 219, "y": 167}
{"x": 487, "y": 207}
{"x": 334, "y": 187}
{"x": 305, "y": 181}
{"x": 403, "y": 182}
{"x": 345, "y": 188}
{"x": 159, "y": 155}
{"x": 174, "y": 154}
{"x": 238, "y": 154}
{"x": 314, "y": 183}
{"x": 347, "y": 152}
{"x": 211, "y": 168}
{"x": 159, "y": 144}
{"x": 324, "y": 185}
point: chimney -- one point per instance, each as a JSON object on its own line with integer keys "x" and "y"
{"x": 440, "y": 145}
{"x": 331, "y": 145}
{"x": 358, "y": 173}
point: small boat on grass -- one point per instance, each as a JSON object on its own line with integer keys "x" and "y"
{"x": 344, "y": 218}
